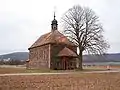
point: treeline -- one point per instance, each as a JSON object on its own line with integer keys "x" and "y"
{"x": 12, "y": 62}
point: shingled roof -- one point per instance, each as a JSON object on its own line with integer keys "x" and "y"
{"x": 67, "y": 52}
{"x": 52, "y": 37}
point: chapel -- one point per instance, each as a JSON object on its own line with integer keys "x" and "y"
{"x": 53, "y": 50}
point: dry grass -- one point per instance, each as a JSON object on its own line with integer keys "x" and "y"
{"x": 73, "y": 81}
{"x": 13, "y": 69}
{"x": 79, "y": 81}
{"x": 24, "y": 70}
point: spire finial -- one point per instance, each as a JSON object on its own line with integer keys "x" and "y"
{"x": 54, "y": 14}
{"x": 54, "y": 11}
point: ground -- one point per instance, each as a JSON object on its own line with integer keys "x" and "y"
{"x": 5, "y": 69}
{"x": 101, "y": 79}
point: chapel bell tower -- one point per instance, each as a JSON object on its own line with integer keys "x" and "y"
{"x": 54, "y": 24}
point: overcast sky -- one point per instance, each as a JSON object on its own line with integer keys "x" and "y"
{"x": 24, "y": 21}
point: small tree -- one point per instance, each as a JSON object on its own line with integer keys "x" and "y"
{"x": 81, "y": 26}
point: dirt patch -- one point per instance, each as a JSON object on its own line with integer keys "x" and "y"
{"x": 79, "y": 81}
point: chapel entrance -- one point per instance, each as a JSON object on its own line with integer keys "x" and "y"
{"x": 67, "y": 59}
{"x": 65, "y": 63}
{"x": 68, "y": 63}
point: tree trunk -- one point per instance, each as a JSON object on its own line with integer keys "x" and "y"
{"x": 80, "y": 60}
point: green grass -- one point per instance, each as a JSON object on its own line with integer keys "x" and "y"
{"x": 18, "y": 69}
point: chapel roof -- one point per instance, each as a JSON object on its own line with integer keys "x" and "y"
{"x": 66, "y": 52}
{"x": 51, "y": 38}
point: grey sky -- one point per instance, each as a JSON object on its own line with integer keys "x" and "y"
{"x": 23, "y": 21}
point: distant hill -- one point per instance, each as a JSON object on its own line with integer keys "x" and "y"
{"x": 113, "y": 57}
{"x": 15, "y": 56}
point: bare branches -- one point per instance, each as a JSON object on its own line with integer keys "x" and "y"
{"x": 83, "y": 28}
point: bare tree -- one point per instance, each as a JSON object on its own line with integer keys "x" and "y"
{"x": 81, "y": 26}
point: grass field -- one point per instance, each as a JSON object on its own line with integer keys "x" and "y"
{"x": 8, "y": 70}
{"x": 77, "y": 81}
{"x": 71, "y": 81}
{"x": 19, "y": 69}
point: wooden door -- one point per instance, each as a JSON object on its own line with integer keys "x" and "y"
{"x": 65, "y": 63}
